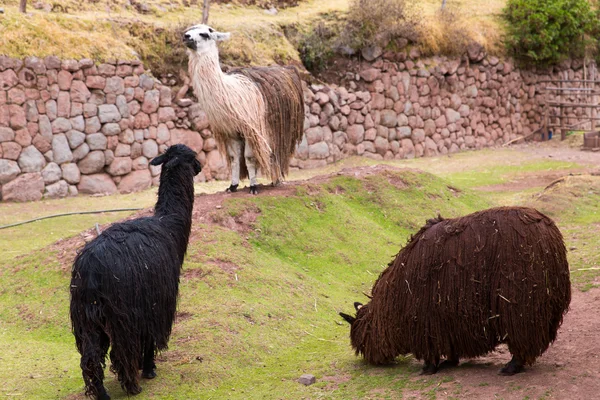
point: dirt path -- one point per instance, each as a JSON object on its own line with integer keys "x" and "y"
{"x": 570, "y": 368}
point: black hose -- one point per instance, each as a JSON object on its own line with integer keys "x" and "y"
{"x": 70, "y": 213}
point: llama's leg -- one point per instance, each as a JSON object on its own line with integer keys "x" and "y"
{"x": 234, "y": 152}
{"x": 430, "y": 367}
{"x": 94, "y": 346}
{"x": 125, "y": 361}
{"x": 148, "y": 367}
{"x": 450, "y": 362}
{"x": 251, "y": 165}
{"x": 514, "y": 366}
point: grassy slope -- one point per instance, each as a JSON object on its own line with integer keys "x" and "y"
{"x": 110, "y": 30}
{"x": 259, "y": 307}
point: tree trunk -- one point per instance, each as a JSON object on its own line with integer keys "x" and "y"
{"x": 205, "y": 9}
{"x": 23, "y": 6}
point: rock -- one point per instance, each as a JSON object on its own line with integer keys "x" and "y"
{"x": 18, "y": 119}
{"x": 381, "y": 145}
{"x": 114, "y": 85}
{"x": 141, "y": 121}
{"x": 149, "y": 149}
{"x": 8, "y": 79}
{"x": 307, "y": 379}
{"x": 11, "y": 150}
{"x": 475, "y": 52}
{"x": 388, "y": 118}
{"x": 151, "y": 101}
{"x": 45, "y": 127}
{"x": 370, "y": 53}
{"x": 120, "y": 166}
{"x": 31, "y": 111}
{"x": 9, "y": 170}
{"x": 51, "y": 173}
{"x": 111, "y": 129}
{"x": 369, "y": 75}
{"x": 31, "y": 160}
{"x": 95, "y": 82}
{"x": 80, "y": 152}
{"x": 71, "y": 173}
{"x": 318, "y": 151}
{"x": 92, "y": 163}
{"x": 70, "y": 65}
{"x": 75, "y": 138}
{"x": 97, "y": 184}
{"x": 165, "y": 96}
{"x": 162, "y": 134}
{"x": 108, "y": 113}
{"x": 166, "y": 114}
{"x": 27, "y": 187}
{"x": 314, "y": 135}
{"x": 92, "y": 125}
{"x": 57, "y": 190}
{"x": 73, "y": 191}
{"x": 41, "y": 144}
{"x": 146, "y": 82}
{"x": 6, "y": 134}
{"x": 96, "y": 141}
{"x": 452, "y": 116}
{"x": 52, "y": 62}
{"x": 135, "y": 181}
{"x": 356, "y": 134}
{"x": 61, "y": 150}
{"x": 122, "y": 150}
{"x": 16, "y": 96}
{"x": 79, "y": 92}
{"x": 64, "y": 80}
{"x": 60, "y": 125}
{"x": 140, "y": 163}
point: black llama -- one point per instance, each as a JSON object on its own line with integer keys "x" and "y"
{"x": 124, "y": 283}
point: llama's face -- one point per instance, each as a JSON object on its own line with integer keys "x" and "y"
{"x": 203, "y": 38}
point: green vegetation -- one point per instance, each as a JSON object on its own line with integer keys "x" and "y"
{"x": 548, "y": 31}
{"x": 265, "y": 277}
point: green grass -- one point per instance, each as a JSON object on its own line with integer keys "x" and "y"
{"x": 258, "y": 306}
{"x": 268, "y": 320}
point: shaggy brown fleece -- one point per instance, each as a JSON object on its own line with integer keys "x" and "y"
{"x": 462, "y": 286}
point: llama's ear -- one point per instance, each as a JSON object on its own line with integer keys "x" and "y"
{"x": 158, "y": 160}
{"x": 220, "y": 36}
{"x": 349, "y": 318}
{"x": 197, "y": 166}
{"x": 172, "y": 163}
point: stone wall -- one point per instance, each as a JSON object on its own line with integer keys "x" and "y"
{"x": 69, "y": 127}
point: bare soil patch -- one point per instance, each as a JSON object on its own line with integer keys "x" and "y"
{"x": 570, "y": 368}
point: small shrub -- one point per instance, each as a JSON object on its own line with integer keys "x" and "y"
{"x": 446, "y": 34}
{"x": 547, "y": 31}
{"x": 377, "y": 22}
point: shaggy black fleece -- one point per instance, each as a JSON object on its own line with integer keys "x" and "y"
{"x": 124, "y": 283}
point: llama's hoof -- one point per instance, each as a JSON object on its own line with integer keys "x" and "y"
{"x": 232, "y": 189}
{"x": 103, "y": 396}
{"x": 429, "y": 369}
{"x": 253, "y": 189}
{"x": 133, "y": 390}
{"x": 449, "y": 363}
{"x": 510, "y": 370}
{"x": 149, "y": 374}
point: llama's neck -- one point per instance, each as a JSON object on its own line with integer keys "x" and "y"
{"x": 175, "y": 203}
{"x": 206, "y": 74}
